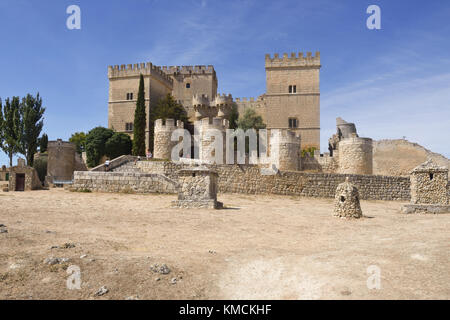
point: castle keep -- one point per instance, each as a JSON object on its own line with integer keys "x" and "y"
{"x": 291, "y": 101}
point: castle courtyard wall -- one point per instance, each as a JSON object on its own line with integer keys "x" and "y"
{"x": 246, "y": 179}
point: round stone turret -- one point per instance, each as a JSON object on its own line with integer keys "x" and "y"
{"x": 209, "y": 131}
{"x": 163, "y": 132}
{"x": 285, "y": 149}
{"x": 356, "y": 156}
{"x": 61, "y": 160}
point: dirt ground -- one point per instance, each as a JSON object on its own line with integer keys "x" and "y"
{"x": 259, "y": 247}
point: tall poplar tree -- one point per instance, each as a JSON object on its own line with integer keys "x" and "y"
{"x": 10, "y": 127}
{"x": 139, "y": 122}
{"x": 31, "y": 112}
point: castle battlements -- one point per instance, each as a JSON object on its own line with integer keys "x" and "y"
{"x": 169, "y": 125}
{"x": 223, "y": 99}
{"x": 200, "y": 100}
{"x": 137, "y": 69}
{"x": 216, "y": 123}
{"x": 187, "y": 70}
{"x": 285, "y": 136}
{"x": 249, "y": 99}
{"x": 293, "y": 60}
{"x": 61, "y": 144}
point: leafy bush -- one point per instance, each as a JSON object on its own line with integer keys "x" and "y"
{"x": 96, "y": 144}
{"x": 40, "y": 165}
{"x": 119, "y": 144}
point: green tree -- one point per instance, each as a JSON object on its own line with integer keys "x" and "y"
{"x": 95, "y": 145}
{"x": 43, "y": 143}
{"x": 251, "y": 120}
{"x": 119, "y": 144}
{"x": 40, "y": 165}
{"x": 233, "y": 117}
{"x": 31, "y": 112}
{"x": 10, "y": 127}
{"x": 79, "y": 140}
{"x": 139, "y": 122}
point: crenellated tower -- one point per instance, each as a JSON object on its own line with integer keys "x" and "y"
{"x": 292, "y": 98}
{"x": 163, "y": 144}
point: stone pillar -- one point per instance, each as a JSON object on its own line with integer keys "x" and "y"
{"x": 346, "y": 201}
{"x": 197, "y": 189}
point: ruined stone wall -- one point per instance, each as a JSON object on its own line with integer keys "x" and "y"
{"x": 356, "y": 156}
{"x": 320, "y": 163}
{"x": 126, "y": 182}
{"x": 247, "y": 179}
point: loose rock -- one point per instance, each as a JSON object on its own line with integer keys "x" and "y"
{"x": 162, "y": 269}
{"x": 102, "y": 291}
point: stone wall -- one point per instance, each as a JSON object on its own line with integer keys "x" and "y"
{"x": 247, "y": 179}
{"x": 122, "y": 182}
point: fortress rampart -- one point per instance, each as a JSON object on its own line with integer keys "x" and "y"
{"x": 293, "y": 60}
{"x": 188, "y": 70}
{"x": 135, "y": 70}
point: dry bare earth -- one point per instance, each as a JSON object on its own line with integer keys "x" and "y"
{"x": 261, "y": 247}
{"x": 399, "y": 157}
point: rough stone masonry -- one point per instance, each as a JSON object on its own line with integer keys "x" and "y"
{"x": 346, "y": 201}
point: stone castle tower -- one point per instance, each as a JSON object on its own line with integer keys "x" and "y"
{"x": 292, "y": 95}
{"x": 292, "y": 98}
{"x": 291, "y": 101}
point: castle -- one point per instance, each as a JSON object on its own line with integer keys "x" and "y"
{"x": 291, "y": 101}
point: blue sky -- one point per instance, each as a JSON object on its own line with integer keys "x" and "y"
{"x": 392, "y": 82}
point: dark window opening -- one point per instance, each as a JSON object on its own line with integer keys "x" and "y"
{"x": 129, "y": 126}
{"x": 293, "y": 123}
{"x": 290, "y": 89}
{"x": 342, "y": 199}
{"x": 188, "y": 85}
{"x": 130, "y": 96}
{"x": 431, "y": 176}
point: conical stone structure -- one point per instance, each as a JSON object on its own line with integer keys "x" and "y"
{"x": 346, "y": 201}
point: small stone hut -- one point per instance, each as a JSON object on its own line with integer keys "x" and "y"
{"x": 23, "y": 178}
{"x": 429, "y": 189}
{"x": 197, "y": 188}
{"x": 346, "y": 201}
